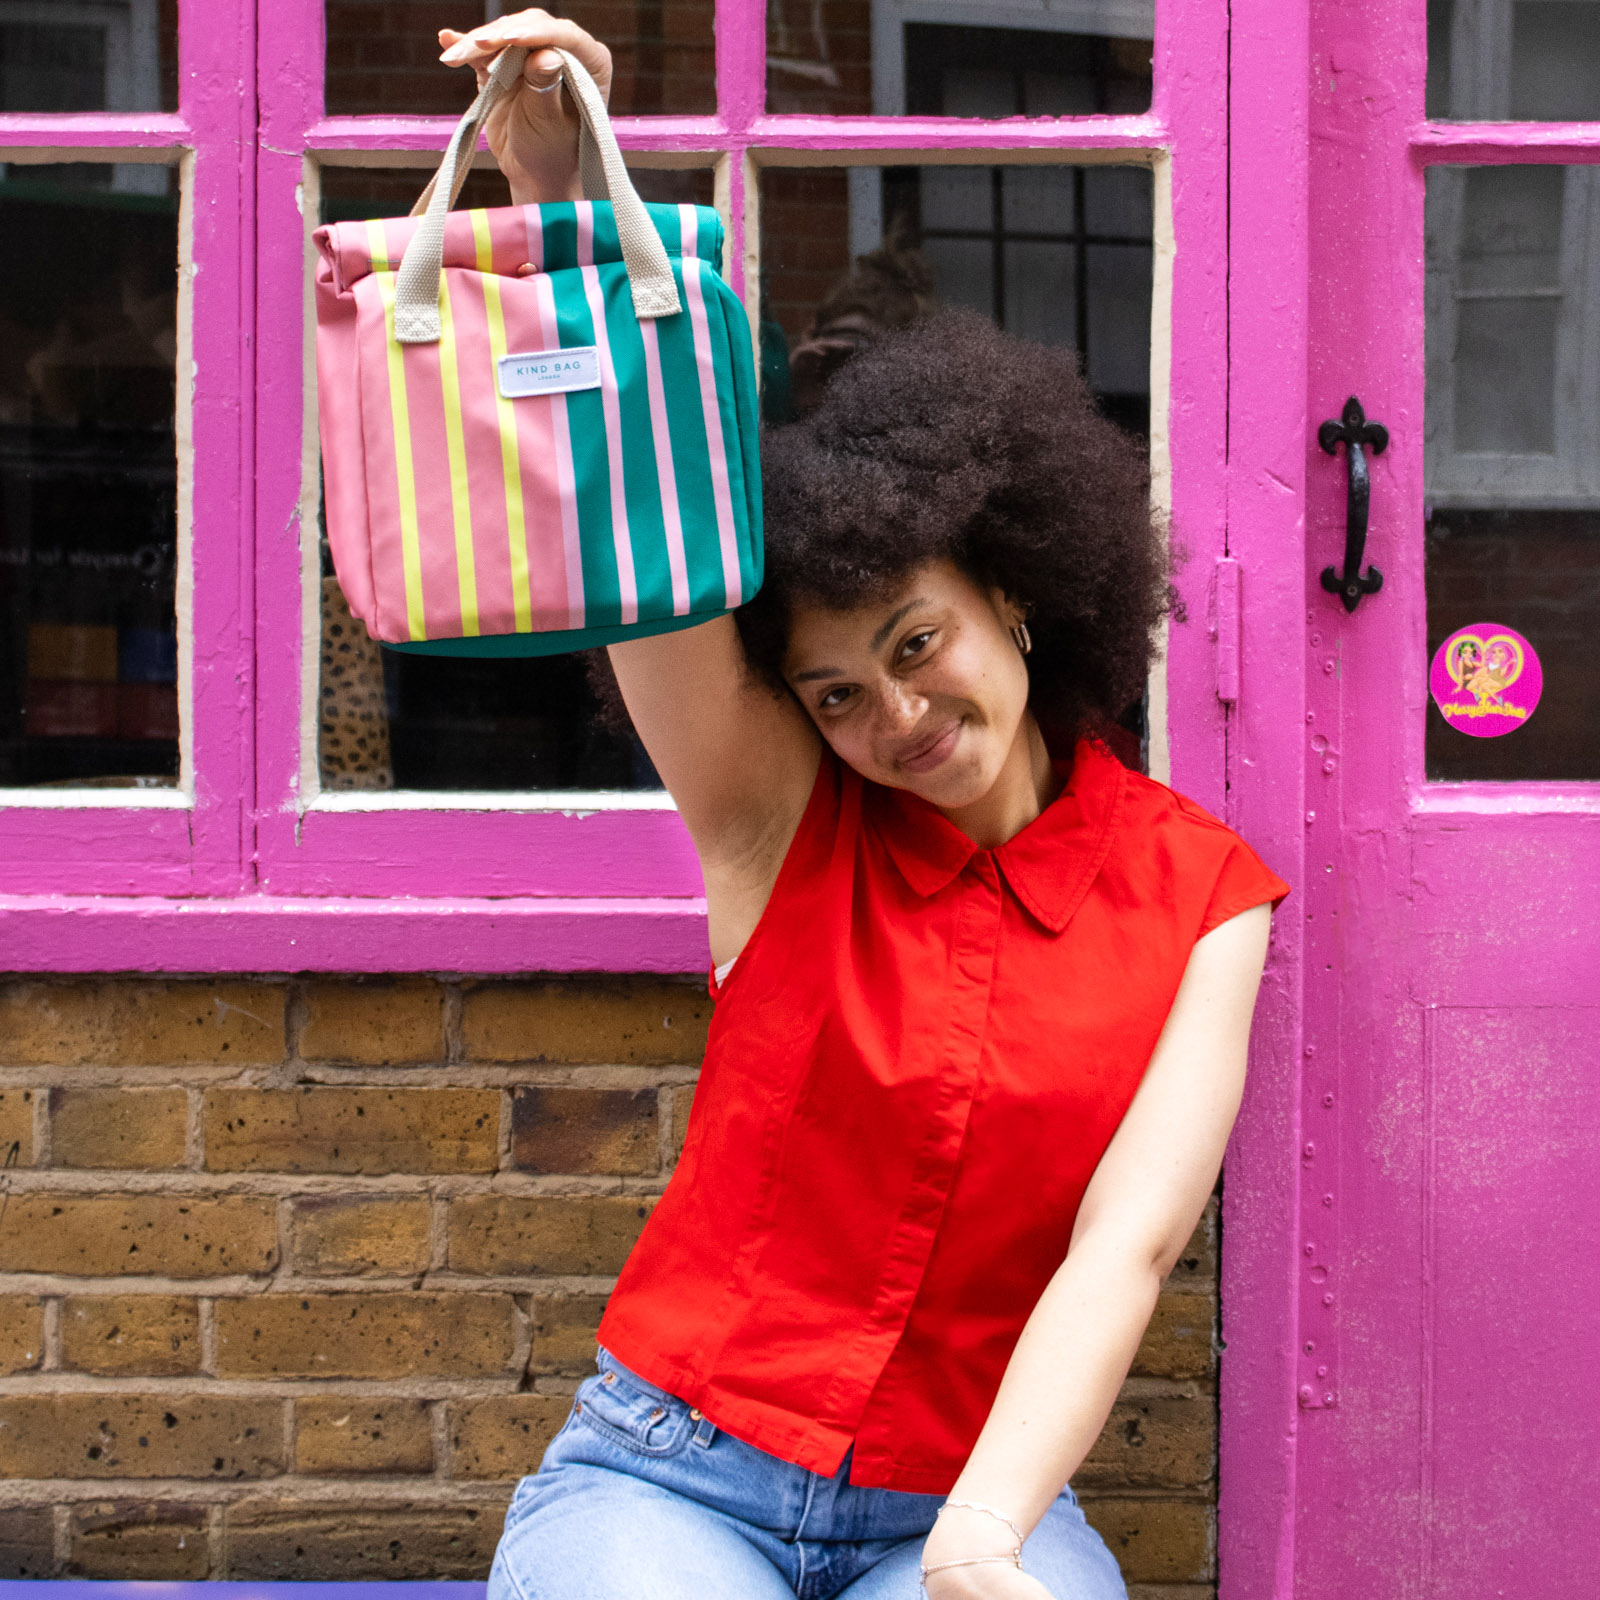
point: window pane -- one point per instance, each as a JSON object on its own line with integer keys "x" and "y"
{"x": 1524, "y": 60}
{"x": 383, "y": 55}
{"x": 88, "y": 474}
{"x": 1513, "y": 451}
{"x": 88, "y": 55}
{"x": 849, "y": 254}
{"x": 388, "y": 719}
{"x": 833, "y": 57}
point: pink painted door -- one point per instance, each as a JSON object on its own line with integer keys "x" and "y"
{"x": 1446, "y": 1259}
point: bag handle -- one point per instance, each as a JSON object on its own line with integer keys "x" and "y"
{"x": 604, "y": 177}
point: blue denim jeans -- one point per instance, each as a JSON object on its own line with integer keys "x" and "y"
{"x": 636, "y": 1499}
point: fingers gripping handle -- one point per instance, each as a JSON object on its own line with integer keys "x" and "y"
{"x": 604, "y": 176}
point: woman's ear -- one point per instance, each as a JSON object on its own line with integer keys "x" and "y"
{"x": 1011, "y": 612}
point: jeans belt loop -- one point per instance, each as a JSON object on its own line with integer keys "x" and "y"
{"x": 705, "y": 1431}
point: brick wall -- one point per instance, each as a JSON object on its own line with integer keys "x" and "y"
{"x": 296, "y": 1275}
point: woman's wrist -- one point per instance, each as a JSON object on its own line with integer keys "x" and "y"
{"x": 966, "y": 1530}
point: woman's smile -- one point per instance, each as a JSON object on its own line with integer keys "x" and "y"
{"x": 931, "y": 749}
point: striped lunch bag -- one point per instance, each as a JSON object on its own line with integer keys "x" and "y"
{"x": 526, "y": 464}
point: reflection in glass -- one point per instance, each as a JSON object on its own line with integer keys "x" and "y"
{"x": 854, "y": 58}
{"x": 388, "y": 719}
{"x": 1514, "y": 60}
{"x": 88, "y": 55}
{"x": 88, "y": 475}
{"x": 1513, "y": 448}
{"x": 383, "y": 55}
{"x": 1060, "y": 254}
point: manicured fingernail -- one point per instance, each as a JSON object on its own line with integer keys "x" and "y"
{"x": 456, "y": 53}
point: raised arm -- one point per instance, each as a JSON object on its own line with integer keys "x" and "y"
{"x": 738, "y": 759}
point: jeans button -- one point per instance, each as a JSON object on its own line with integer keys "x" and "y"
{"x": 696, "y": 1413}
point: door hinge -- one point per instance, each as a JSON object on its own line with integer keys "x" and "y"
{"x": 1227, "y": 630}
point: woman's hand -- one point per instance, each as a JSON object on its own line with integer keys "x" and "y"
{"x": 533, "y": 132}
{"x": 961, "y": 1532}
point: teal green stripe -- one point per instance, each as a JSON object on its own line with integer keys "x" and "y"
{"x": 641, "y": 482}
{"x": 730, "y": 335}
{"x": 587, "y": 422}
{"x": 691, "y": 452}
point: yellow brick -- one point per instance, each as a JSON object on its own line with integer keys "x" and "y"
{"x": 564, "y": 1328}
{"x": 21, "y": 1333}
{"x": 336, "y": 1434}
{"x": 1177, "y": 1344}
{"x": 109, "y": 1235}
{"x": 585, "y": 1130}
{"x": 366, "y": 1336}
{"x": 322, "y": 1540}
{"x": 513, "y": 1235}
{"x": 682, "y": 1103}
{"x": 141, "y": 1022}
{"x": 1155, "y": 1541}
{"x": 143, "y": 1541}
{"x": 28, "y": 1543}
{"x": 375, "y": 1022}
{"x": 118, "y": 1128}
{"x": 16, "y": 1127}
{"x": 349, "y": 1236}
{"x": 1197, "y": 1266}
{"x": 640, "y": 1023}
{"x": 155, "y": 1335}
{"x": 1164, "y": 1441}
{"x": 352, "y": 1130}
{"x": 139, "y": 1436}
{"x": 503, "y": 1436}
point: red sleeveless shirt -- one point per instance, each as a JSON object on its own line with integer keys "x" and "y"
{"x": 912, "y": 1072}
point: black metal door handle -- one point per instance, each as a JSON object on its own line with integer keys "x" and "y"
{"x": 1353, "y": 431}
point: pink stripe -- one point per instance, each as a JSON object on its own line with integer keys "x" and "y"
{"x": 480, "y": 429}
{"x": 378, "y": 467}
{"x": 533, "y": 236}
{"x": 430, "y": 456}
{"x": 722, "y": 491}
{"x": 627, "y": 584}
{"x": 660, "y": 432}
{"x": 566, "y": 472}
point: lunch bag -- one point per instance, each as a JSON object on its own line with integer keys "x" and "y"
{"x": 522, "y": 465}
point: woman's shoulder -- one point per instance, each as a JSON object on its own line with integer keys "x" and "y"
{"x": 1184, "y": 853}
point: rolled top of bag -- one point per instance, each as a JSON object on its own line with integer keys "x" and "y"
{"x": 604, "y": 177}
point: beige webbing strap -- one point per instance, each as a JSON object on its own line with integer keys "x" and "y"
{"x": 603, "y": 175}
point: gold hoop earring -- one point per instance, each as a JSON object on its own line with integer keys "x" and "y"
{"x": 1021, "y": 637}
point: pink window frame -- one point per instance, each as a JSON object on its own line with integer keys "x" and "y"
{"x": 190, "y": 841}
{"x": 420, "y": 886}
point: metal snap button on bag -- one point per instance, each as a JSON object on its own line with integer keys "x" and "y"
{"x": 523, "y": 463}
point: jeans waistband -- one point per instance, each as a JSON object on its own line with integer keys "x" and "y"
{"x": 607, "y": 1362}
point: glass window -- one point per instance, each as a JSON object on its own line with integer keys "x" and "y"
{"x": 88, "y": 474}
{"x": 1513, "y": 449}
{"x": 88, "y": 55}
{"x": 383, "y": 55}
{"x": 927, "y": 58}
{"x": 1061, "y": 254}
{"x": 389, "y": 719}
{"x": 1514, "y": 60}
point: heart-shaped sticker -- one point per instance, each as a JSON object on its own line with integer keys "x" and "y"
{"x": 1486, "y": 680}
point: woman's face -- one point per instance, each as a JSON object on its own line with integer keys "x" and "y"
{"x": 924, "y": 690}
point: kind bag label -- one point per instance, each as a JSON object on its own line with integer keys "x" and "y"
{"x": 549, "y": 372}
{"x": 1486, "y": 680}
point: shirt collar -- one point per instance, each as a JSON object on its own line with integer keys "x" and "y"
{"x": 1050, "y": 864}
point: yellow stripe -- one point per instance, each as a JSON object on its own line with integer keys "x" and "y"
{"x": 510, "y": 463}
{"x": 410, "y": 546}
{"x": 377, "y": 244}
{"x": 456, "y": 449}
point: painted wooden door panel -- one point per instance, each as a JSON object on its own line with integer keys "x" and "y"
{"x": 1447, "y": 1258}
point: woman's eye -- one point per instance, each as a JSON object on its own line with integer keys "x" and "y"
{"x": 916, "y": 643}
{"x": 833, "y": 699}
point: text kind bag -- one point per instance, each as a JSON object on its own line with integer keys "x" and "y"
{"x": 521, "y": 465}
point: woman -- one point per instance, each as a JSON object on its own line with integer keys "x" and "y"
{"x": 982, "y": 1017}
